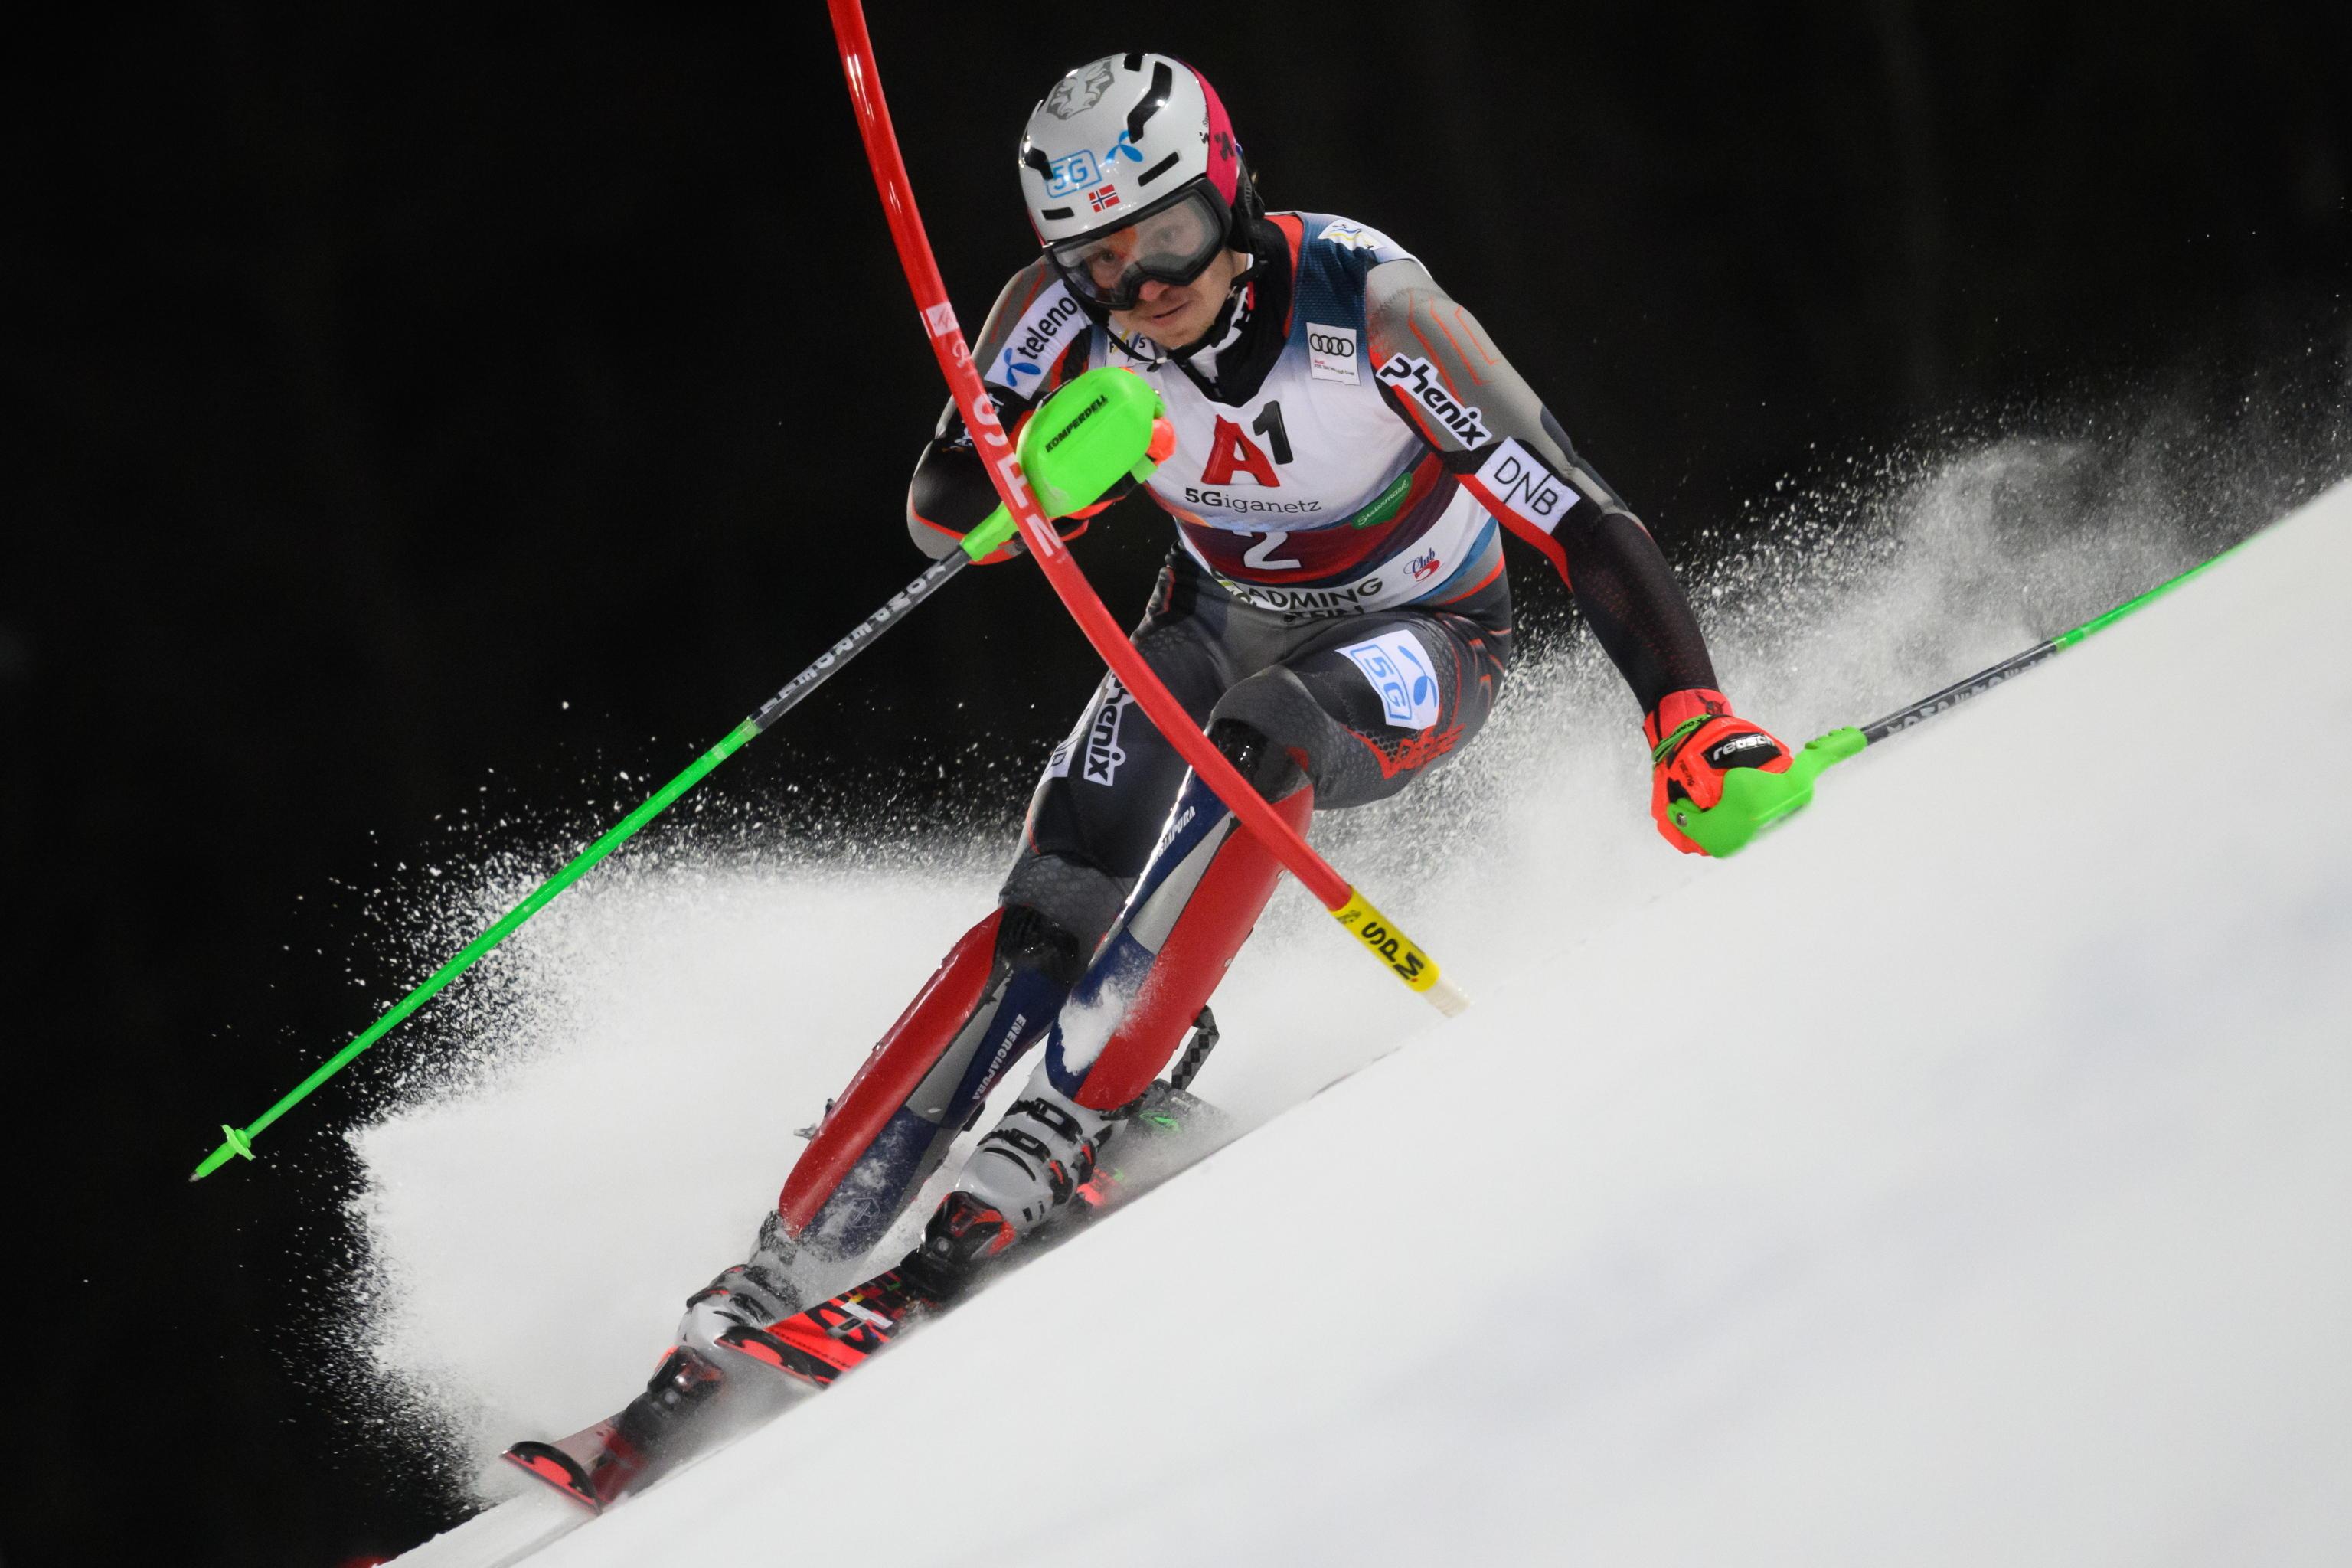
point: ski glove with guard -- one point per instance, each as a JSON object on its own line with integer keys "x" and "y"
{"x": 950, "y": 483}
{"x": 1696, "y": 739}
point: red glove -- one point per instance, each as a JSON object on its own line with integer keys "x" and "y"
{"x": 1694, "y": 739}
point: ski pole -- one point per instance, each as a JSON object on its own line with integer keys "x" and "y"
{"x": 1379, "y": 935}
{"x": 1753, "y": 800}
{"x": 980, "y": 541}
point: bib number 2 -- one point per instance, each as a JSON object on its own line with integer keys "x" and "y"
{"x": 1262, "y": 554}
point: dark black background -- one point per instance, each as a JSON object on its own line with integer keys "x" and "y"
{"x": 382, "y": 382}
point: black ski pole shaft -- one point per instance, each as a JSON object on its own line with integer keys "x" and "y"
{"x": 1754, "y": 800}
{"x": 1984, "y": 680}
{"x": 239, "y": 1141}
{"x": 1960, "y": 692}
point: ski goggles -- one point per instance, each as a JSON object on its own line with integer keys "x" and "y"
{"x": 1171, "y": 244}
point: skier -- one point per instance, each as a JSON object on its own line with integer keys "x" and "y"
{"x": 1350, "y": 446}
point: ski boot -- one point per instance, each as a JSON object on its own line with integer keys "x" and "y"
{"x": 814, "y": 1348}
{"x": 757, "y": 1291}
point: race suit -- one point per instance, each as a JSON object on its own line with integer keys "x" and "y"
{"x": 1350, "y": 448}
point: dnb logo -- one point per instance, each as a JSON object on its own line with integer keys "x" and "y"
{"x": 1400, "y": 669}
{"x": 1511, "y": 481}
{"x": 1094, "y": 746}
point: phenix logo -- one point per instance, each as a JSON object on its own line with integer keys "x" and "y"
{"x": 1103, "y": 753}
{"x": 1417, "y": 380}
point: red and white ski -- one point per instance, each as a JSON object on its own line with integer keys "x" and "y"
{"x": 692, "y": 1405}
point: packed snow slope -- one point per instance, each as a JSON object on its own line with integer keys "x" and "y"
{"x": 1957, "y": 1176}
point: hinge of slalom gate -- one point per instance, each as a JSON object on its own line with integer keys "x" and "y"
{"x": 1179, "y": 1076}
{"x": 1196, "y": 1051}
{"x": 1186, "y": 1068}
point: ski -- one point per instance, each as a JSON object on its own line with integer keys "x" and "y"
{"x": 816, "y": 1346}
{"x": 674, "y": 1418}
{"x": 592, "y": 1465}
{"x": 693, "y": 1405}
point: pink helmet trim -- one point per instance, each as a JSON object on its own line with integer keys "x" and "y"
{"x": 1224, "y": 157}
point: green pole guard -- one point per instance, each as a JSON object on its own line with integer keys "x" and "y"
{"x": 1754, "y": 800}
{"x": 1097, "y": 429}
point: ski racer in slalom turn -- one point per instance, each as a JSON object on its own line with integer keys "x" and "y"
{"x": 1350, "y": 447}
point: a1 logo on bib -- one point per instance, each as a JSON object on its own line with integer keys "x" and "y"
{"x": 1400, "y": 670}
{"x": 1332, "y": 354}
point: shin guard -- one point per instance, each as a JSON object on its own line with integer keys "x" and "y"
{"x": 1194, "y": 906}
{"x": 923, "y": 1081}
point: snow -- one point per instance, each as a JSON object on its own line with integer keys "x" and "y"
{"x": 1956, "y": 1176}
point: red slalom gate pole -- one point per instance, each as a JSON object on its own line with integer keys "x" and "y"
{"x": 1406, "y": 959}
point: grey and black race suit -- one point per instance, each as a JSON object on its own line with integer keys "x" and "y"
{"x": 1350, "y": 448}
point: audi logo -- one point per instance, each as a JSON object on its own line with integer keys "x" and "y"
{"x": 1338, "y": 348}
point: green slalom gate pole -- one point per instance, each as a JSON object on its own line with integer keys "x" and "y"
{"x": 1096, "y": 430}
{"x": 1753, "y": 801}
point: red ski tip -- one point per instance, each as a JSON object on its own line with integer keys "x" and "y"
{"x": 558, "y": 1470}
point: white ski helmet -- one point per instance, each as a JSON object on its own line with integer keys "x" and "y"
{"x": 1130, "y": 170}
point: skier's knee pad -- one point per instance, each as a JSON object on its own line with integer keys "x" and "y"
{"x": 1029, "y": 938}
{"x": 1271, "y": 769}
{"x": 1074, "y": 896}
{"x": 1191, "y": 912}
{"x": 1275, "y": 719}
{"x": 985, "y": 1004}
